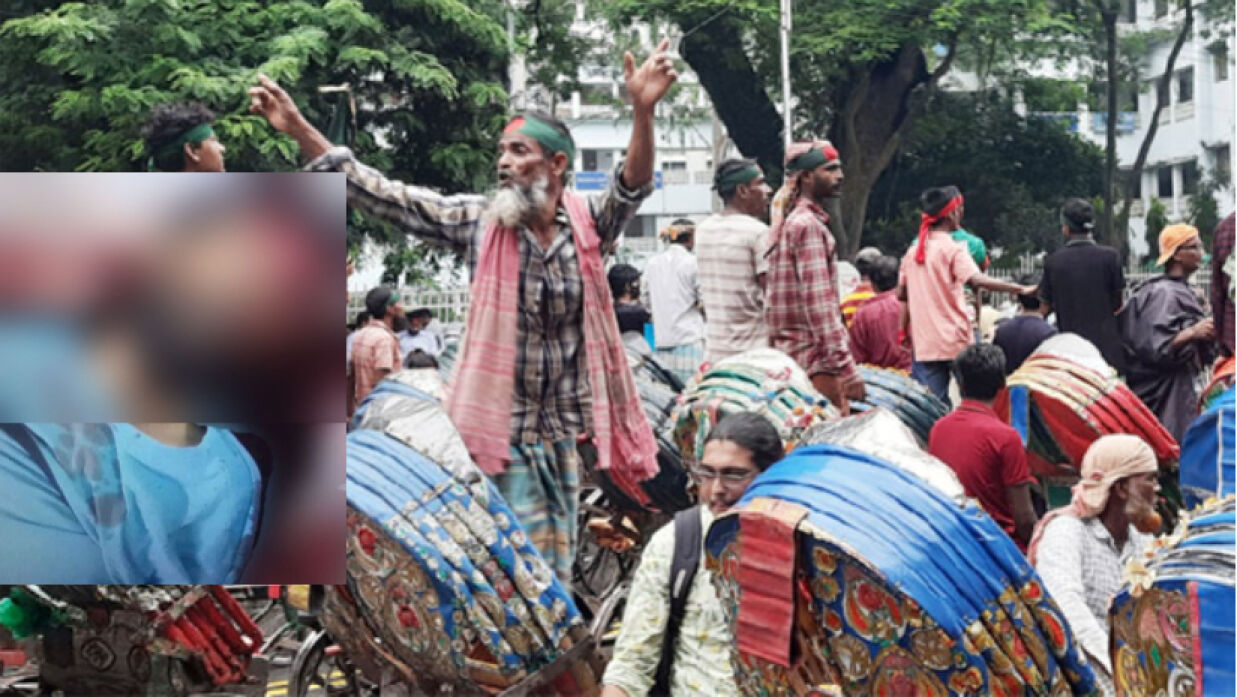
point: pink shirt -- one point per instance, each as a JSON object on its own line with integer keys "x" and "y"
{"x": 375, "y": 352}
{"x": 939, "y": 328}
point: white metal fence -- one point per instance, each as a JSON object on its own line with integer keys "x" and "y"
{"x": 451, "y": 306}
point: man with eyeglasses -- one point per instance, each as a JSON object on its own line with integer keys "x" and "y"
{"x": 1169, "y": 340}
{"x": 675, "y": 639}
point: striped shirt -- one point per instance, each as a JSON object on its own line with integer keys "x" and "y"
{"x": 857, "y": 297}
{"x": 730, "y": 258}
{"x": 551, "y": 400}
{"x": 375, "y": 353}
{"x": 804, "y": 319}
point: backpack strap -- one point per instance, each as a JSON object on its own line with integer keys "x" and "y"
{"x": 688, "y": 532}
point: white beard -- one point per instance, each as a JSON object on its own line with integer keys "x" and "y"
{"x": 509, "y": 206}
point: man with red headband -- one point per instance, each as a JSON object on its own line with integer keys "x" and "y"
{"x": 934, "y": 271}
{"x": 525, "y": 388}
{"x": 802, "y": 309}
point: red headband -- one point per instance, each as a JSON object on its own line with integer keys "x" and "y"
{"x": 925, "y": 222}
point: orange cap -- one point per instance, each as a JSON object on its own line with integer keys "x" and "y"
{"x": 1173, "y": 237}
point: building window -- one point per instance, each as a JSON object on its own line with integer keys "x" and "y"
{"x": 1161, "y": 8}
{"x": 1222, "y": 165}
{"x": 590, "y": 160}
{"x": 1185, "y": 85}
{"x": 1164, "y": 178}
{"x": 1133, "y": 184}
{"x": 1161, "y": 92}
{"x": 1219, "y": 62}
{"x": 1131, "y": 11}
{"x": 1189, "y": 178}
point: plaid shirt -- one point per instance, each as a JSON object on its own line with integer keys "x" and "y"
{"x": 802, "y": 304}
{"x": 1221, "y": 303}
{"x": 375, "y": 353}
{"x": 551, "y": 400}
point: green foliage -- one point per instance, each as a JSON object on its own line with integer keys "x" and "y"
{"x": 1157, "y": 220}
{"x": 428, "y": 74}
{"x": 1015, "y": 173}
{"x": 1203, "y": 211}
{"x": 1047, "y": 94}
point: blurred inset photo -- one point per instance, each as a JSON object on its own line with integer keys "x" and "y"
{"x": 170, "y": 503}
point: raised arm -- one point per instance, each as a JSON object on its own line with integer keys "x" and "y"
{"x": 646, "y": 86}
{"x": 446, "y": 221}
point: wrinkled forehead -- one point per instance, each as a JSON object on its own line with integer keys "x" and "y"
{"x": 511, "y": 139}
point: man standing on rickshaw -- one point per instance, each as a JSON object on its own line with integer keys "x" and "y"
{"x": 526, "y": 389}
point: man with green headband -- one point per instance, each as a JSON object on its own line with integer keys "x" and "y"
{"x": 524, "y": 390}
{"x": 375, "y": 348}
{"x": 730, "y": 258}
{"x": 179, "y": 138}
{"x": 803, "y": 310}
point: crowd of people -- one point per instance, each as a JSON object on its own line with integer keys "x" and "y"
{"x": 542, "y": 369}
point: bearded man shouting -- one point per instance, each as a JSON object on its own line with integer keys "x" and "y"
{"x": 542, "y": 366}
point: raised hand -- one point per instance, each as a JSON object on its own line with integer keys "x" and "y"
{"x": 273, "y": 103}
{"x": 648, "y": 84}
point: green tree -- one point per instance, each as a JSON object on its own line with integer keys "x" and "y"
{"x": 860, "y": 70}
{"x": 1015, "y": 173}
{"x": 427, "y": 78}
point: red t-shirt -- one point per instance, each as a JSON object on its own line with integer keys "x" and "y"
{"x": 987, "y": 455}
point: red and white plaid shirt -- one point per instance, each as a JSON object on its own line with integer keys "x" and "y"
{"x": 375, "y": 353}
{"x": 802, "y": 297}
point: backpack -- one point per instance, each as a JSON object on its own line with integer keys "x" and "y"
{"x": 688, "y": 532}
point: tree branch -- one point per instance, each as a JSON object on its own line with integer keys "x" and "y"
{"x": 1161, "y": 100}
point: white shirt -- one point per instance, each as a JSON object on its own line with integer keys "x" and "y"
{"x": 425, "y": 340}
{"x": 672, "y": 294}
{"x": 1082, "y": 570}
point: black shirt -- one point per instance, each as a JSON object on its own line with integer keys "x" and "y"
{"x": 1019, "y": 337}
{"x": 1083, "y": 282}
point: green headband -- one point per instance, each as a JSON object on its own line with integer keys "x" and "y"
{"x": 809, "y": 160}
{"x": 549, "y": 137}
{"x": 194, "y": 135}
{"x": 737, "y": 177}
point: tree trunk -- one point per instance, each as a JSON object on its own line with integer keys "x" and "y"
{"x": 1161, "y": 93}
{"x": 875, "y": 109}
{"x": 714, "y": 51}
{"x": 1108, "y": 12}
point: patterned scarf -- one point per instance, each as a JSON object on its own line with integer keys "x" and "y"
{"x": 479, "y": 401}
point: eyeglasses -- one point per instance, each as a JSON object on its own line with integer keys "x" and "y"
{"x": 1192, "y": 245}
{"x": 726, "y": 476}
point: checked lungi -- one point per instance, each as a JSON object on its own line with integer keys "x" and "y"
{"x": 542, "y": 486}
{"x": 682, "y": 360}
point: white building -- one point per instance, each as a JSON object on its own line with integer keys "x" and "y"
{"x": 1195, "y": 137}
{"x": 1194, "y": 141}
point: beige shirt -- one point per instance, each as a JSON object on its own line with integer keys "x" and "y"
{"x": 730, "y": 256}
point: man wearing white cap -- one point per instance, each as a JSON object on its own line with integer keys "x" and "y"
{"x": 1080, "y": 550}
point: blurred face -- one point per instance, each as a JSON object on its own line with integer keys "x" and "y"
{"x": 1190, "y": 254}
{"x": 206, "y": 157}
{"x": 1139, "y": 493}
{"x": 723, "y": 474}
{"x": 754, "y": 197}
{"x": 827, "y": 180}
{"x": 522, "y": 161}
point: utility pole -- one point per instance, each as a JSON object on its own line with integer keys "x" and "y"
{"x": 786, "y": 113}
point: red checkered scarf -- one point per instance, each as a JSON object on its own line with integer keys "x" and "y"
{"x": 479, "y": 400}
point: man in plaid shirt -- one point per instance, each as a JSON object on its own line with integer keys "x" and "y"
{"x": 802, "y": 309}
{"x": 551, "y": 400}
